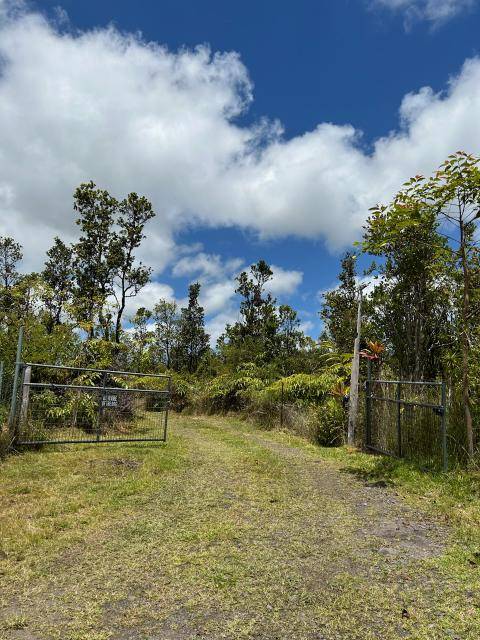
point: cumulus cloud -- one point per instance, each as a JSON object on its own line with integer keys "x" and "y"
{"x": 434, "y": 11}
{"x": 133, "y": 115}
{"x": 148, "y": 297}
{"x": 284, "y": 282}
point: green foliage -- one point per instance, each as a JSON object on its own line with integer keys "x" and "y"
{"x": 304, "y": 387}
{"x": 192, "y": 341}
{"x": 428, "y": 304}
{"x": 339, "y": 309}
{"x": 229, "y": 392}
{"x": 328, "y": 422}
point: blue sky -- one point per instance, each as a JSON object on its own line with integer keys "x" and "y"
{"x": 273, "y": 149}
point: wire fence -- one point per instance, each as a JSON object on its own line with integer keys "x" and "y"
{"x": 407, "y": 419}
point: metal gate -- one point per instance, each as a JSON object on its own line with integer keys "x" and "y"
{"x": 53, "y": 404}
{"x": 407, "y": 419}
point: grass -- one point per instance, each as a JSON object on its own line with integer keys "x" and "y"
{"x": 232, "y": 532}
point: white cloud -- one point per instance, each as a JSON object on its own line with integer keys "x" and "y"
{"x": 134, "y": 116}
{"x": 284, "y": 282}
{"x": 434, "y": 11}
{"x": 206, "y": 266}
{"x": 307, "y": 326}
{"x": 148, "y": 297}
{"x": 216, "y": 325}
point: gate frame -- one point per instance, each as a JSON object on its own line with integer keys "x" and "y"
{"x": 21, "y": 381}
{"x": 441, "y": 408}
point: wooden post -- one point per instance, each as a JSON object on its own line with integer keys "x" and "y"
{"x": 353, "y": 403}
{"x": 368, "y": 400}
{"x": 27, "y": 376}
{"x": 12, "y": 423}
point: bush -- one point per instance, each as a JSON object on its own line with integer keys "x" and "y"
{"x": 181, "y": 388}
{"x": 311, "y": 407}
{"x": 328, "y": 423}
{"x": 311, "y": 388}
{"x": 228, "y": 392}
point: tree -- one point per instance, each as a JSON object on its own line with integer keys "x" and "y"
{"x": 10, "y": 256}
{"x": 192, "y": 343}
{"x": 290, "y": 337}
{"x": 411, "y": 300}
{"x": 257, "y": 307}
{"x": 94, "y": 264}
{"x": 453, "y": 193}
{"x": 339, "y": 310}
{"x": 58, "y": 276}
{"x": 254, "y": 336}
{"x": 452, "y": 197}
{"x": 166, "y": 329}
{"x": 128, "y": 278}
{"x": 142, "y": 336}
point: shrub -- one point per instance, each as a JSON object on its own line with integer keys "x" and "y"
{"x": 229, "y": 392}
{"x": 181, "y": 389}
{"x": 311, "y": 388}
{"x": 311, "y": 407}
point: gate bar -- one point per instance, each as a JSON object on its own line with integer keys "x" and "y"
{"x": 52, "y": 385}
{"x": 125, "y": 373}
{"x": 431, "y": 382}
{"x": 408, "y": 402}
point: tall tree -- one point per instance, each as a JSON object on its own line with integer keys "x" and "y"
{"x": 94, "y": 263}
{"x": 339, "y": 309}
{"x": 58, "y": 276}
{"x": 290, "y": 337}
{"x": 192, "y": 343}
{"x": 142, "y": 337}
{"x": 166, "y": 329}
{"x": 452, "y": 198}
{"x": 258, "y": 306}
{"x": 10, "y": 256}
{"x": 453, "y": 193}
{"x": 411, "y": 301}
{"x": 128, "y": 277}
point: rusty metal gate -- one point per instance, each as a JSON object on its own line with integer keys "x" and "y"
{"x": 53, "y": 404}
{"x": 407, "y": 419}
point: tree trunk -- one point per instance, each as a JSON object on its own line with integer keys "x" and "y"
{"x": 466, "y": 344}
{"x": 118, "y": 322}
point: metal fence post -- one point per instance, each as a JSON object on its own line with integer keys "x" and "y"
{"x": 368, "y": 401}
{"x": 26, "y": 379}
{"x": 444, "y": 427}
{"x": 12, "y": 426}
{"x": 399, "y": 420}
{"x": 167, "y": 407}
{"x": 101, "y": 400}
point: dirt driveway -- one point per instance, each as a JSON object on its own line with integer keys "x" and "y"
{"x": 226, "y": 532}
